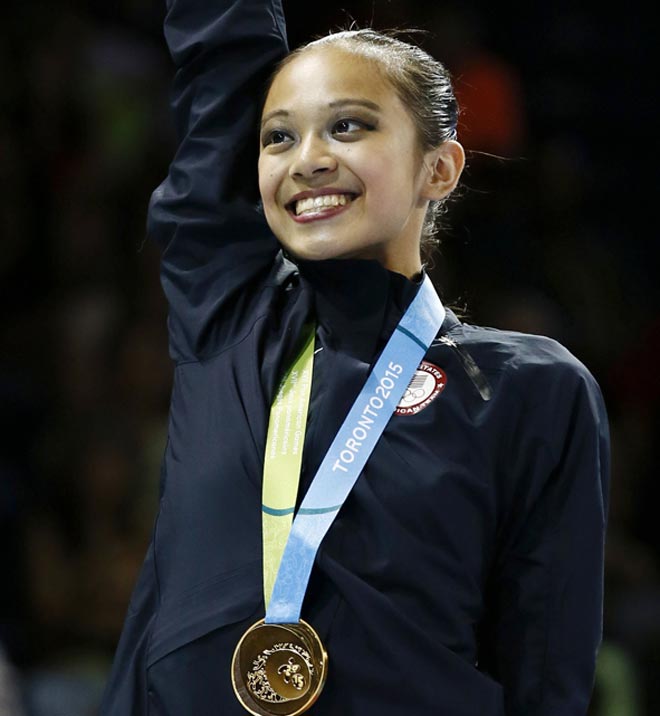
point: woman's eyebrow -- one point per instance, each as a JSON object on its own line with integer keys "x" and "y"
{"x": 344, "y": 101}
{"x": 355, "y": 101}
{"x": 274, "y": 113}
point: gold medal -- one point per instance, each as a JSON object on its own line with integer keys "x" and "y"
{"x": 279, "y": 669}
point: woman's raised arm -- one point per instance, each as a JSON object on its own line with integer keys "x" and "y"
{"x": 204, "y": 215}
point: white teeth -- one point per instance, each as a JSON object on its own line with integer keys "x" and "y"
{"x": 314, "y": 203}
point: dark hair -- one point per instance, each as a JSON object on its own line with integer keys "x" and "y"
{"x": 422, "y": 83}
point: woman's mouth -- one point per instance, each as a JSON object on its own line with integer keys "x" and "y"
{"x": 313, "y": 208}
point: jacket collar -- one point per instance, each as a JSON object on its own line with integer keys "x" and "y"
{"x": 358, "y": 303}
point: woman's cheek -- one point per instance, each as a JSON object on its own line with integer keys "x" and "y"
{"x": 266, "y": 175}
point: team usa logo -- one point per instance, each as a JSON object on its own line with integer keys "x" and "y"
{"x": 426, "y": 384}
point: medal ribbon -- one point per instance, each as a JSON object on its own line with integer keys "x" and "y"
{"x": 284, "y": 447}
{"x": 350, "y": 450}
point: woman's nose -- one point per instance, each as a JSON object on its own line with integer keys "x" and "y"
{"x": 313, "y": 158}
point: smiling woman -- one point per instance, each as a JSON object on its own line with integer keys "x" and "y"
{"x": 448, "y": 481}
{"x": 350, "y": 136}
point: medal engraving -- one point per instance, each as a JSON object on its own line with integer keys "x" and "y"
{"x": 280, "y": 674}
{"x": 279, "y": 669}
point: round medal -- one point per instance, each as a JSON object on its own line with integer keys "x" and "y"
{"x": 279, "y": 669}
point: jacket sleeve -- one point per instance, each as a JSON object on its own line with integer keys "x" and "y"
{"x": 126, "y": 689}
{"x": 544, "y": 626}
{"x": 204, "y": 215}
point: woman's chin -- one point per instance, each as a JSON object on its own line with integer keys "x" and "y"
{"x": 316, "y": 251}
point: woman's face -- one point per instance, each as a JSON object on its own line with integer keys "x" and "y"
{"x": 341, "y": 173}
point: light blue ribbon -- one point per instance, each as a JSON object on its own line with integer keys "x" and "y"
{"x": 351, "y": 448}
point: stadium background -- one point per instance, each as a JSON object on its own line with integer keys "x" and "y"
{"x": 553, "y": 232}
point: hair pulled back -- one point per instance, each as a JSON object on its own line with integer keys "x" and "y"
{"x": 422, "y": 83}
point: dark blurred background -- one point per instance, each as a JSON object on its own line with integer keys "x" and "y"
{"x": 553, "y": 232}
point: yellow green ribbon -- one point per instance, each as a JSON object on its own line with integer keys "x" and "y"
{"x": 283, "y": 459}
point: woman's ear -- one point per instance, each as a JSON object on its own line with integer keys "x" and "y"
{"x": 443, "y": 165}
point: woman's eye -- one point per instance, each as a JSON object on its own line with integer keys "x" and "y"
{"x": 348, "y": 126}
{"x": 277, "y": 136}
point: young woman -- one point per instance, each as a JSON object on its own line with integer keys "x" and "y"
{"x": 462, "y": 573}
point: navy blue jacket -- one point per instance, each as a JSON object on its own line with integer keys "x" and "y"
{"x": 463, "y": 576}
